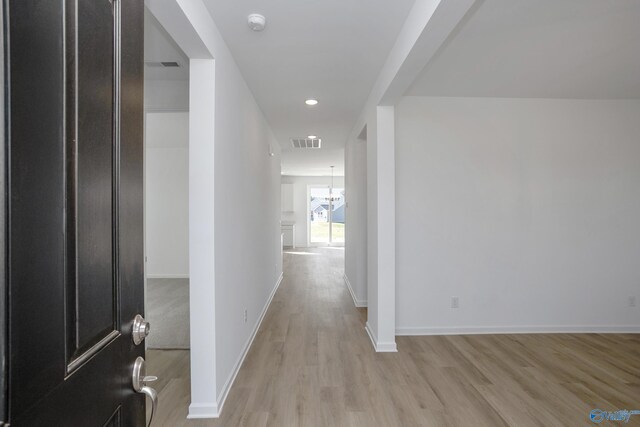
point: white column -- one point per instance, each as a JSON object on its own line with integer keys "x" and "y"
{"x": 201, "y": 238}
{"x": 381, "y": 230}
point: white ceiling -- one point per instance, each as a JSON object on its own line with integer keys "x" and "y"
{"x": 331, "y": 50}
{"x": 160, "y": 47}
{"x": 540, "y": 49}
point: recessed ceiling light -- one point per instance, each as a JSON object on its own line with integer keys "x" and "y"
{"x": 312, "y": 137}
{"x": 311, "y": 102}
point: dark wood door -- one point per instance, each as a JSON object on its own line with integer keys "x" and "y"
{"x": 75, "y": 242}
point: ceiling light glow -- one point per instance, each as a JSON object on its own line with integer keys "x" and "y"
{"x": 312, "y": 137}
{"x": 311, "y": 102}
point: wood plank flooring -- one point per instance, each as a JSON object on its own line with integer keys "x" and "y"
{"x": 312, "y": 364}
{"x": 167, "y": 302}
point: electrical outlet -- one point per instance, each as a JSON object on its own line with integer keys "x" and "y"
{"x": 632, "y": 301}
{"x": 245, "y": 315}
{"x": 455, "y": 302}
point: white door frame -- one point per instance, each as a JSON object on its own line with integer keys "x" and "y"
{"x": 188, "y": 22}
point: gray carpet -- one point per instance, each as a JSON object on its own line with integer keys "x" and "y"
{"x": 167, "y": 309}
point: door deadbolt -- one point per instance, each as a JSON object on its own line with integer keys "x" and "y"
{"x": 140, "y": 329}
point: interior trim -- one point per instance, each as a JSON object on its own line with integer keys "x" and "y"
{"x": 533, "y": 329}
{"x": 84, "y": 357}
{"x": 380, "y": 347}
{"x": 3, "y": 232}
{"x": 357, "y": 302}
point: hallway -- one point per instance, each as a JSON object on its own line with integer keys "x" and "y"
{"x": 320, "y": 213}
{"x": 312, "y": 364}
{"x": 296, "y": 372}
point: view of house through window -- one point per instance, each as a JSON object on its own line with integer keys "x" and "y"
{"x": 326, "y": 215}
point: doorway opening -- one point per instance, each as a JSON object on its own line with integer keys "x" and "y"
{"x": 166, "y": 158}
{"x": 326, "y": 216}
{"x": 197, "y": 104}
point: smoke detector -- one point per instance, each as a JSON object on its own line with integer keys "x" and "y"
{"x": 256, "y": 22}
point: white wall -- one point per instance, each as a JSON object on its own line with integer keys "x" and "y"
{"x": 247, "y": 216}
{"x": 300, "y": 216}
{"x": 166, "y": 95}
{"x": 167, "y": 194}
{"x": 356, "y": 217}
{"x": 527, "y": 210}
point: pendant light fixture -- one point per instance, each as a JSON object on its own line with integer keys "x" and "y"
{"x": 329, "y": 198}
{"x": 331, "y": 190}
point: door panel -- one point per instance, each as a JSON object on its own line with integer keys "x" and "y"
{"x": 41, "y": 352}
{"x": 115, "y": 420}
{"x": 75, "y": 210}
{"x": 91, "y": 195}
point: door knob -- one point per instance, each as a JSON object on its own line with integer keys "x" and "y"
{"x": 139, "y": 380}
{"x": 140, "y": 330}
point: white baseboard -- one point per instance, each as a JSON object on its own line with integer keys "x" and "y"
{"x": 380, "y": 347}
{"x": 236, "y": 368}
{"x": 203, "y": 410}
{"x": 167, "y": 276}
{"x": 356, "y": 301}
{"x": 550, "y": 329}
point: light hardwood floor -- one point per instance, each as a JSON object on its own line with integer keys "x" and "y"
{"x": 312, "y": 364}
{"x": 167, "y": 302}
